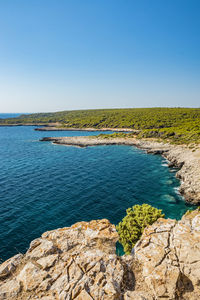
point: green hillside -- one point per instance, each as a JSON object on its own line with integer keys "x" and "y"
{"x": 179, "y": 125}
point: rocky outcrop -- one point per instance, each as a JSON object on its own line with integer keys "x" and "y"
{"x": 169, "y": 254}
{"x": 188, "y": 161}
{"x": 79, "y": 262}
{"x": 54, "y": 128}
{"x": 86, "y": 141}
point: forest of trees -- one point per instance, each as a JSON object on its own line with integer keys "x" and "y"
{"x": 179, "y": 125}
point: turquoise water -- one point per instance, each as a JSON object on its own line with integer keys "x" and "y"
{"x": 45, "y": 186}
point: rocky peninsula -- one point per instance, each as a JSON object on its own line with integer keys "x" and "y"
{"x": 184, "y": 158}
{"x": 80, "y": 262}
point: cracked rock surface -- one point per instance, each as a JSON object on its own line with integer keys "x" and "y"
{"x": 79, "y": 262}
{"x": 169, "y": 252}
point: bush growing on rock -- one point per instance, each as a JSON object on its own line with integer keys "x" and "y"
{"x": 133, "y": 224}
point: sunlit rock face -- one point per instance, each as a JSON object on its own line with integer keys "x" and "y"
{"x": 79, "y": 262}
{"x": 169, "y": 253}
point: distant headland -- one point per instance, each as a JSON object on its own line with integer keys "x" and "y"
{"x": 176, "y": 125}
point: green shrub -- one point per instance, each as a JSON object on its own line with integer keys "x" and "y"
{"x": 133, "y": 224}
{"x": 188, "y": 212}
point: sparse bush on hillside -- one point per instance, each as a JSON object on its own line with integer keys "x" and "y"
{"x": 133, "y": 224}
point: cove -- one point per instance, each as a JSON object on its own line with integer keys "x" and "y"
{"x": 45, "y": 186}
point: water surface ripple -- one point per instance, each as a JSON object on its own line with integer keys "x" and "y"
{"x": 45, "y": 186}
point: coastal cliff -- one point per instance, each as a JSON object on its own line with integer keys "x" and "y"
{"x": 79, "y": 262}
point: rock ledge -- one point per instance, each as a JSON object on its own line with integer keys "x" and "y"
{"x": 79, "y": 262}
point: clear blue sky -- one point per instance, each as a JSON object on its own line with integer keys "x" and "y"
{"x": 77, "y": 54}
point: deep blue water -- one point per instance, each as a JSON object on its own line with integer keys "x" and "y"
{"x": 45, "y": 186}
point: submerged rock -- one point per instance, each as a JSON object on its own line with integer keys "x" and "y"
{"x": 79, "y": 262}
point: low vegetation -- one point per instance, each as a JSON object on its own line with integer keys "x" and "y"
{"x": 115, "y": 135}
{"x": 133, "y": 224}
{"x": 177, "y": 125}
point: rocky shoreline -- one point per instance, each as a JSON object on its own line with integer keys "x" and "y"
{"x": 180, "y": 156}
{"x": 53, "y": 128}
{"x": 80, "y": 263}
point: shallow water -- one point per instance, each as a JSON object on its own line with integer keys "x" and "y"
{"x": 45, "y": 186}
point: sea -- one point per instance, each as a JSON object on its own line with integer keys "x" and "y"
{"x": 45, "y": 186}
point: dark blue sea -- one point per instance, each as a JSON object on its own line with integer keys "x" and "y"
{"x": 45, "y": 186}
